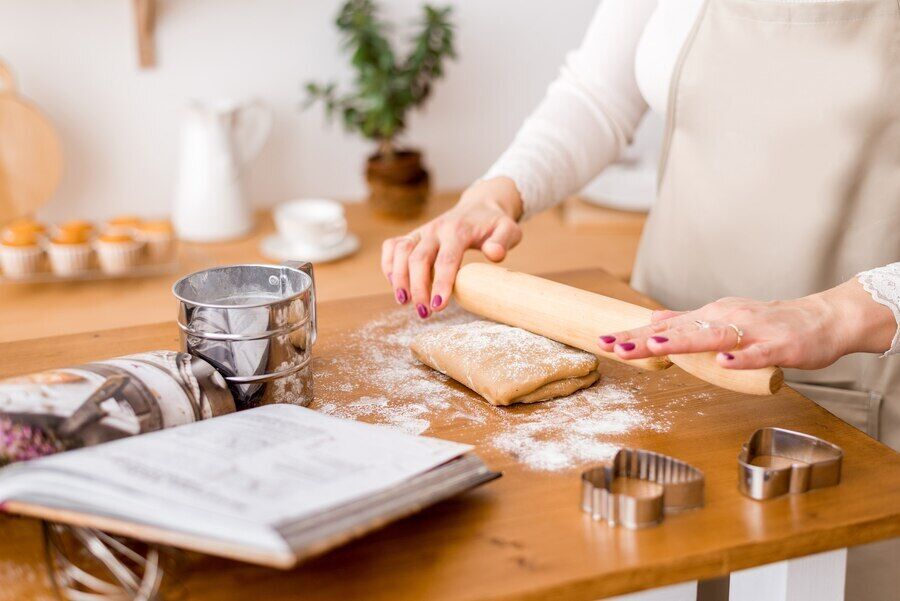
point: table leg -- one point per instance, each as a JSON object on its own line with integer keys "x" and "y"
{"x": 684, "y": 591}
{"x": 817, "y": 577}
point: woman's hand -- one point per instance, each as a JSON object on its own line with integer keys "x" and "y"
{"x": 485, "y": 217}
{"x": 807, "y": 333}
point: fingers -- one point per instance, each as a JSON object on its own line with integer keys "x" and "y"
{"x": 692, "y": 339}
{"x": 421, "y": 260}
{"x": 609, "y": 341}
{"x": 408, "y": 261}
{"x": 660, "y": 321}
{"x": 664, "y": 314}
{"x": 387, "y": 257}
{"x": 506, "y": 234}
{"x": 403, "y": 247}
{"x": 658, "y": 339}
{"x": 446, "y": 266}
{"x": 753, "y": 357}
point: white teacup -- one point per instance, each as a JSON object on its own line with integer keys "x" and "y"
{"x": 311, "y": 222}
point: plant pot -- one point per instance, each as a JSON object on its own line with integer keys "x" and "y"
{"x": 398, "y": 187}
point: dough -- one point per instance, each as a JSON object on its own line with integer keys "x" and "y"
{"x": 503, "y": 364}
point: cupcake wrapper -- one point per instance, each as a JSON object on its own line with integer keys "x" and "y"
{"x": 66, "y": 259}
{"x": 20, "y": 262}
{"x": 117, "y": 257}
{"x": 160, "y": 246}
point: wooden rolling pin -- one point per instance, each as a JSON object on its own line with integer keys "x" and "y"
{"x": 578, "y": 318}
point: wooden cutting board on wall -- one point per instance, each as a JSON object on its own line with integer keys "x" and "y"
{"x": 30, "y": 153}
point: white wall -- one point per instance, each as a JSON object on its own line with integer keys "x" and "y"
{"x": 119, "y": 124}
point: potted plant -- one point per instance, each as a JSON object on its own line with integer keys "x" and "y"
{"x": 386, "y": 88}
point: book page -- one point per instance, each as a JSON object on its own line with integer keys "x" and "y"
{"x": 263, "y": 465}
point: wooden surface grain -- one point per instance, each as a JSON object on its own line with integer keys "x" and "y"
{"x": 36, "y": 310}
{"x": 523, "y": 536}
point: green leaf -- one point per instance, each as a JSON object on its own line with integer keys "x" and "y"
{"x": 385, "y": 89}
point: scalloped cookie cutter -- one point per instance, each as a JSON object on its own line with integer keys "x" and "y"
{"x": 657, "y": 484}
{"x": 777, "y": 462}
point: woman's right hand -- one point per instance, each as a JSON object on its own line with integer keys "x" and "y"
{"x": 486, "y": 217}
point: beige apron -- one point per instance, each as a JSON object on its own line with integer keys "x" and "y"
{"x": 780, "y": 173}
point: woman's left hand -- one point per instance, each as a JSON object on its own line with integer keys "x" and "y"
{"x": 807, "y": 333}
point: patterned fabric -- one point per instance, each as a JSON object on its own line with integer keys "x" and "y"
{"x": 883, "y": 284}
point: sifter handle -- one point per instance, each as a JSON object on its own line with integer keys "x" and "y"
{"x": 307, "y": 268}
{"x": 578, "y": 318}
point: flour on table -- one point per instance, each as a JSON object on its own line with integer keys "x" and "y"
{"x": 399, "y": 392}
{"x": 575, "y": 430}
{"x": 411, "y": 418}
{"x": 408, "y": 393}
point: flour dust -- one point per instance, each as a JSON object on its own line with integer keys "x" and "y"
{"x": 377, "y": 356}
{"x": 401, "y": 393}
{"x": 574, "y": 430}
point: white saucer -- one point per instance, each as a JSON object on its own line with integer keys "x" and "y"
{"x": 277, "y": 248}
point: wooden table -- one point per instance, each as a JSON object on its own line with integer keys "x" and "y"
{"x": 523, "y": 536}
{"x": 550, "y": 244}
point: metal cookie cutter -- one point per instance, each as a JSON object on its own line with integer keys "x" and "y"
{"x": 668, "y": 486}
{"x": 776, "y": 462}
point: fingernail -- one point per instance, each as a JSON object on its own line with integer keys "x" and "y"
{"x": 627, "y": 346}
{"x": 436, "y": 301}
{"x": 728, "y": 356}
{"x": 422, "y": 311}
{"x": 608, "y": 339}
{"x": 402, "y": 296}
{"x": 659, "y": 339}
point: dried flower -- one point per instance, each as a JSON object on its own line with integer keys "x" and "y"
{"x": 20, "y": 442}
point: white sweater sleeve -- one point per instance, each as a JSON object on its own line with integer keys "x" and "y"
{"x": 588, "y": 115}
{"x": 883, "y": 284}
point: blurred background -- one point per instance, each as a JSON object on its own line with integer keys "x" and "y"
{"x": 119, "y": 124}
{"x": 151, "y": 189}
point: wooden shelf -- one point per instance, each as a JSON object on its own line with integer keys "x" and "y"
{"x": 145, "y": 24}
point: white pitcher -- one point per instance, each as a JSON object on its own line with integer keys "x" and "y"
{"x": 218, "y": 140}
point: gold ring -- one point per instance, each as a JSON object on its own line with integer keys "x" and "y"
{"x": 740, "y": 335}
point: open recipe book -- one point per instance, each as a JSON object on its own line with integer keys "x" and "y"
{"x": 270, "y": 485}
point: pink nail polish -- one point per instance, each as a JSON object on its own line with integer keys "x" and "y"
{"x": 728, "y": 356}
{"x": 659, "y": 339}
{"x": 608, "y": 339}
{"x": 627, "y": 346}
{"x": 422, "y": 311}
{"x": 402, "y": 296}
{"x": 436, "y": 301}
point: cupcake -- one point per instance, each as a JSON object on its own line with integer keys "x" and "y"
{"x": 117, "y": 253}
{"x": 21, "y": 254}
{"x": 69, "y": 251}
{"x": 159, "y": 237}
{"x": 125, "y": 225}
{"x": 77, "y": 227}
{"x": 26, "y": 226}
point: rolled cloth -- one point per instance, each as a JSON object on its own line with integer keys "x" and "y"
{"x": 504, "y": 364}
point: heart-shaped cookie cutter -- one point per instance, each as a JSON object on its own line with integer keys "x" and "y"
{"x": 799, "y": 462}
{"x": 674, "y": 486}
